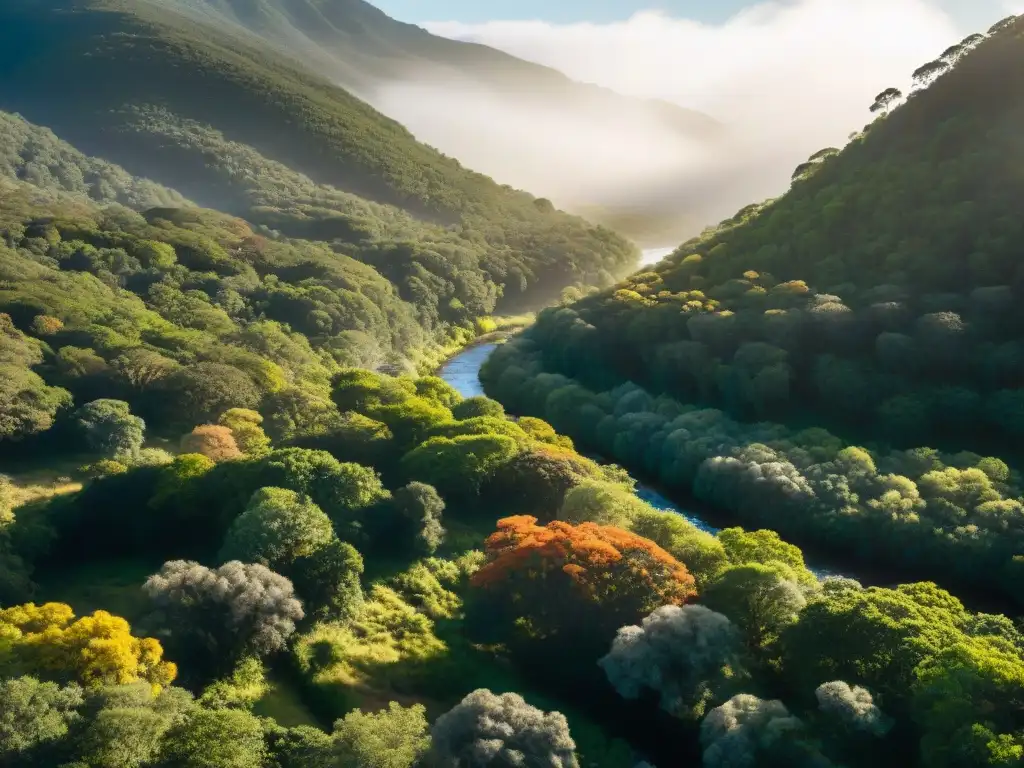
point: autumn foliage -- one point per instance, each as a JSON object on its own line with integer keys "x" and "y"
{"x": 586, "y": 566}
{"x": 213, "y": 441}
{"x": 47, "y": 641}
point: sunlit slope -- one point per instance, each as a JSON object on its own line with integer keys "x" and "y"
{"x": 363, "y": 47}
{"x": 882, "y": 295}
{"x": 225, "y": 120}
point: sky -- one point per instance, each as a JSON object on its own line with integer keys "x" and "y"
{"x": 970, "y": 14}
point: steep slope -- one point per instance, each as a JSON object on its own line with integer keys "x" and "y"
{"x": 502, "y": 115}
{"x": 364, "y": 48}
{"x": 880, "y": 298}
{"x": 172, "y": 304}
{"x": 237, "y": 127}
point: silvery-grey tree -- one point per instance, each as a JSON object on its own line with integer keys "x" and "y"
{"x": 489, "y": 731}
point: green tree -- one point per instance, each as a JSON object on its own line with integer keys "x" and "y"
{"x": 34, "y": 715}
{"x": 458, "y": 467}
{"x": 392, "y": 738}
{"x": 220, "y": 738}
{"x": 760, "y": 599}
{"x": 277, "y": 527}
{"x": 411, "y": 521}
{"x": 110, "y": 428}
{"x": 328, "y": 580}
{"x": 202, "y": 391}
{"x": 245, "y": 428}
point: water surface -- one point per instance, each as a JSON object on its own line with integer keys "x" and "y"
{"x": 463, "y": 373}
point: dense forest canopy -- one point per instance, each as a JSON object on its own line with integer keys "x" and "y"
{"x": 359, "y": 570}
{"x": 238, "y": 529}
{"x": 237, "y": 127}
{"x": 875, "y": 304}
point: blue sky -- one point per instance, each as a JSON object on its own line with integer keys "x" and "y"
{"x": 971, "y": 14}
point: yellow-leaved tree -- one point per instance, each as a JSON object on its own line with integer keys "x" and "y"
{"x": 47, "y": 641}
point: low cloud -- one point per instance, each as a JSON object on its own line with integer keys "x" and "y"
{"x": 785, "y": 78}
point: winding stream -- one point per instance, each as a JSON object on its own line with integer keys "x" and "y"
{"x": 463, "y": 373}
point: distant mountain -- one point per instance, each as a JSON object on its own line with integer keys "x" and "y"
{"x": 364, "y": 48}
{"x": 587, "y": 147}
{"x": 208, "y": 109}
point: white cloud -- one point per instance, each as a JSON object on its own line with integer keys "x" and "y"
{"x": 814, "y": 59}
{"x": 787, "y": 77}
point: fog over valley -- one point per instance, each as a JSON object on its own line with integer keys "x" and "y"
{"x": 783, "y": 79}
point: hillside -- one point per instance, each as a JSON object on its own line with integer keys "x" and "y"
{"x": 524, "y": 111}
{"x": 241, "y": 129}
{"x": 879, "y": 299}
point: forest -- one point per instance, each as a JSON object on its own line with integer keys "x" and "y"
{"x": 245, "y": 524}
{"x": 363, "y": 564}
{"x": 236, "y": 127}
{"x": 867, "y": 401}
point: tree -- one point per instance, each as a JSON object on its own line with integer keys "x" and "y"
{"x": 201, "y": 391}
{"x": 458, "y": 467}
{"x": 328, "y": 580}
{"x": 345, "y": 491}
{"x": 585, "y": 580}
{"x": 127, "y": 723}
{"x": 1003, "y": 24}
{"x": 301, "y": 747}
{"x": 489, "y": 731}
{"x": 874, "y": 636}
{"x": 392, "y": 738}
{"x": 293, "y": 412}
{"x": 767, "y": 548}
{"x": 682, "y": 653}
{"x": 27, "y": 405}
{"x": 47, "y": 641}
{"x": 246, "y": 430}
{"x": 438, "y": 390}
{"x": 216, "y": 443}
{"x": 758, "y": 598}
{"x": 220, "y": 738}
{"x": 703, "y": 553}
{"x": 747, "y": 731}
{"x": 853, "y": 707}
{"x": 411, "y": 521}
{"x": 926, "y": 74}
{"x": 537, "y": 480}
{"x": 142, "y": 369}
{"x": 596, "y": 501}
{"x": 277, "y": 527}
{"x": 216, "y": 617}
{"x": 34, "y": 715}
{"x": 110, "y": 429}
{"x": 885, "y": 100}
{"x": 246, "y": 685}
{"x": 478, "y": 407}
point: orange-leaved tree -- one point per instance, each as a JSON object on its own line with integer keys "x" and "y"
{"x": 578, "y": 580}
{"x": 47, "y": 641}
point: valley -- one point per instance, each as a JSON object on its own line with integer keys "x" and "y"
{"x": 324, "y": 447}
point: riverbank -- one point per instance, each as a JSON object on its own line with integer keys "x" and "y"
{"x": 462, "y": 372}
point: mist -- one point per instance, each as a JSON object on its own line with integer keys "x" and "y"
{"x": 785, "y": 79}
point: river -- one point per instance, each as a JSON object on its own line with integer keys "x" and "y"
{"x": 463, "y": 373}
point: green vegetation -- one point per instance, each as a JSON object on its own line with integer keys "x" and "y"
{"x": 239, "y": 128}
{"x": 788, "y": 366}
{"x": 227, "y": 529}
{"x": 588, "y": 611}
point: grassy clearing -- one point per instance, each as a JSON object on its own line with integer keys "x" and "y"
{"x": 114, "y": 586}
{"x": 284, "y": 703}
{"x": 33, "y": 480}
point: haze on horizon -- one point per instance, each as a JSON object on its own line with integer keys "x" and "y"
{"x": 784, "y": 79}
